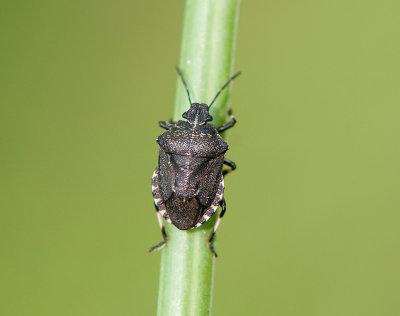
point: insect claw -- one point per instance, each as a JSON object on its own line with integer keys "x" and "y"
{"x": 159, "y": 246}
{"x": 211, "y": 247}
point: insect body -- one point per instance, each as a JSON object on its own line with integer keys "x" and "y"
{"x": 188, "y": 182}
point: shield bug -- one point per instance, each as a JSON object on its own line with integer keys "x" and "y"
{"x": 188, "y": 183}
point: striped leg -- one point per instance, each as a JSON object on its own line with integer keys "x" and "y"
{"x": 164, "y": 234}
{"x": 212, "y": 235}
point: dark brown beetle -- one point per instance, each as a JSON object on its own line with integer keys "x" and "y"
{"x": 188, "y": 182}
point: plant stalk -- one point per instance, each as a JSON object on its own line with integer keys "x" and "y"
{"x": 208, "y": 41}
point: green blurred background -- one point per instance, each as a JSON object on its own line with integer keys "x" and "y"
{"x": 312, "y": 226}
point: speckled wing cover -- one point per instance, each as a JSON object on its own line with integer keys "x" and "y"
{"x": 189, "y": 174}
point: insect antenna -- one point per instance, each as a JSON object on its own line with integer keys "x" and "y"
{"x": 184, "y": 83}
{"x": 223, "y": 87}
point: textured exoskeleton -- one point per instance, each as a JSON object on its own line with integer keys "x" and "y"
{"x": 188, "y": 182}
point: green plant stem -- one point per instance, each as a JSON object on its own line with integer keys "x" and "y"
{"x": 186, "y": 273}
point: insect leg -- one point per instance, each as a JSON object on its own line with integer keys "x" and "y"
{"x": 165, "y": 125}
{"x": 164, "y": 234}
{"x": 230, "y": 124}
{"x": 212, "y": 235}
{"x": 230, "y": 164}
